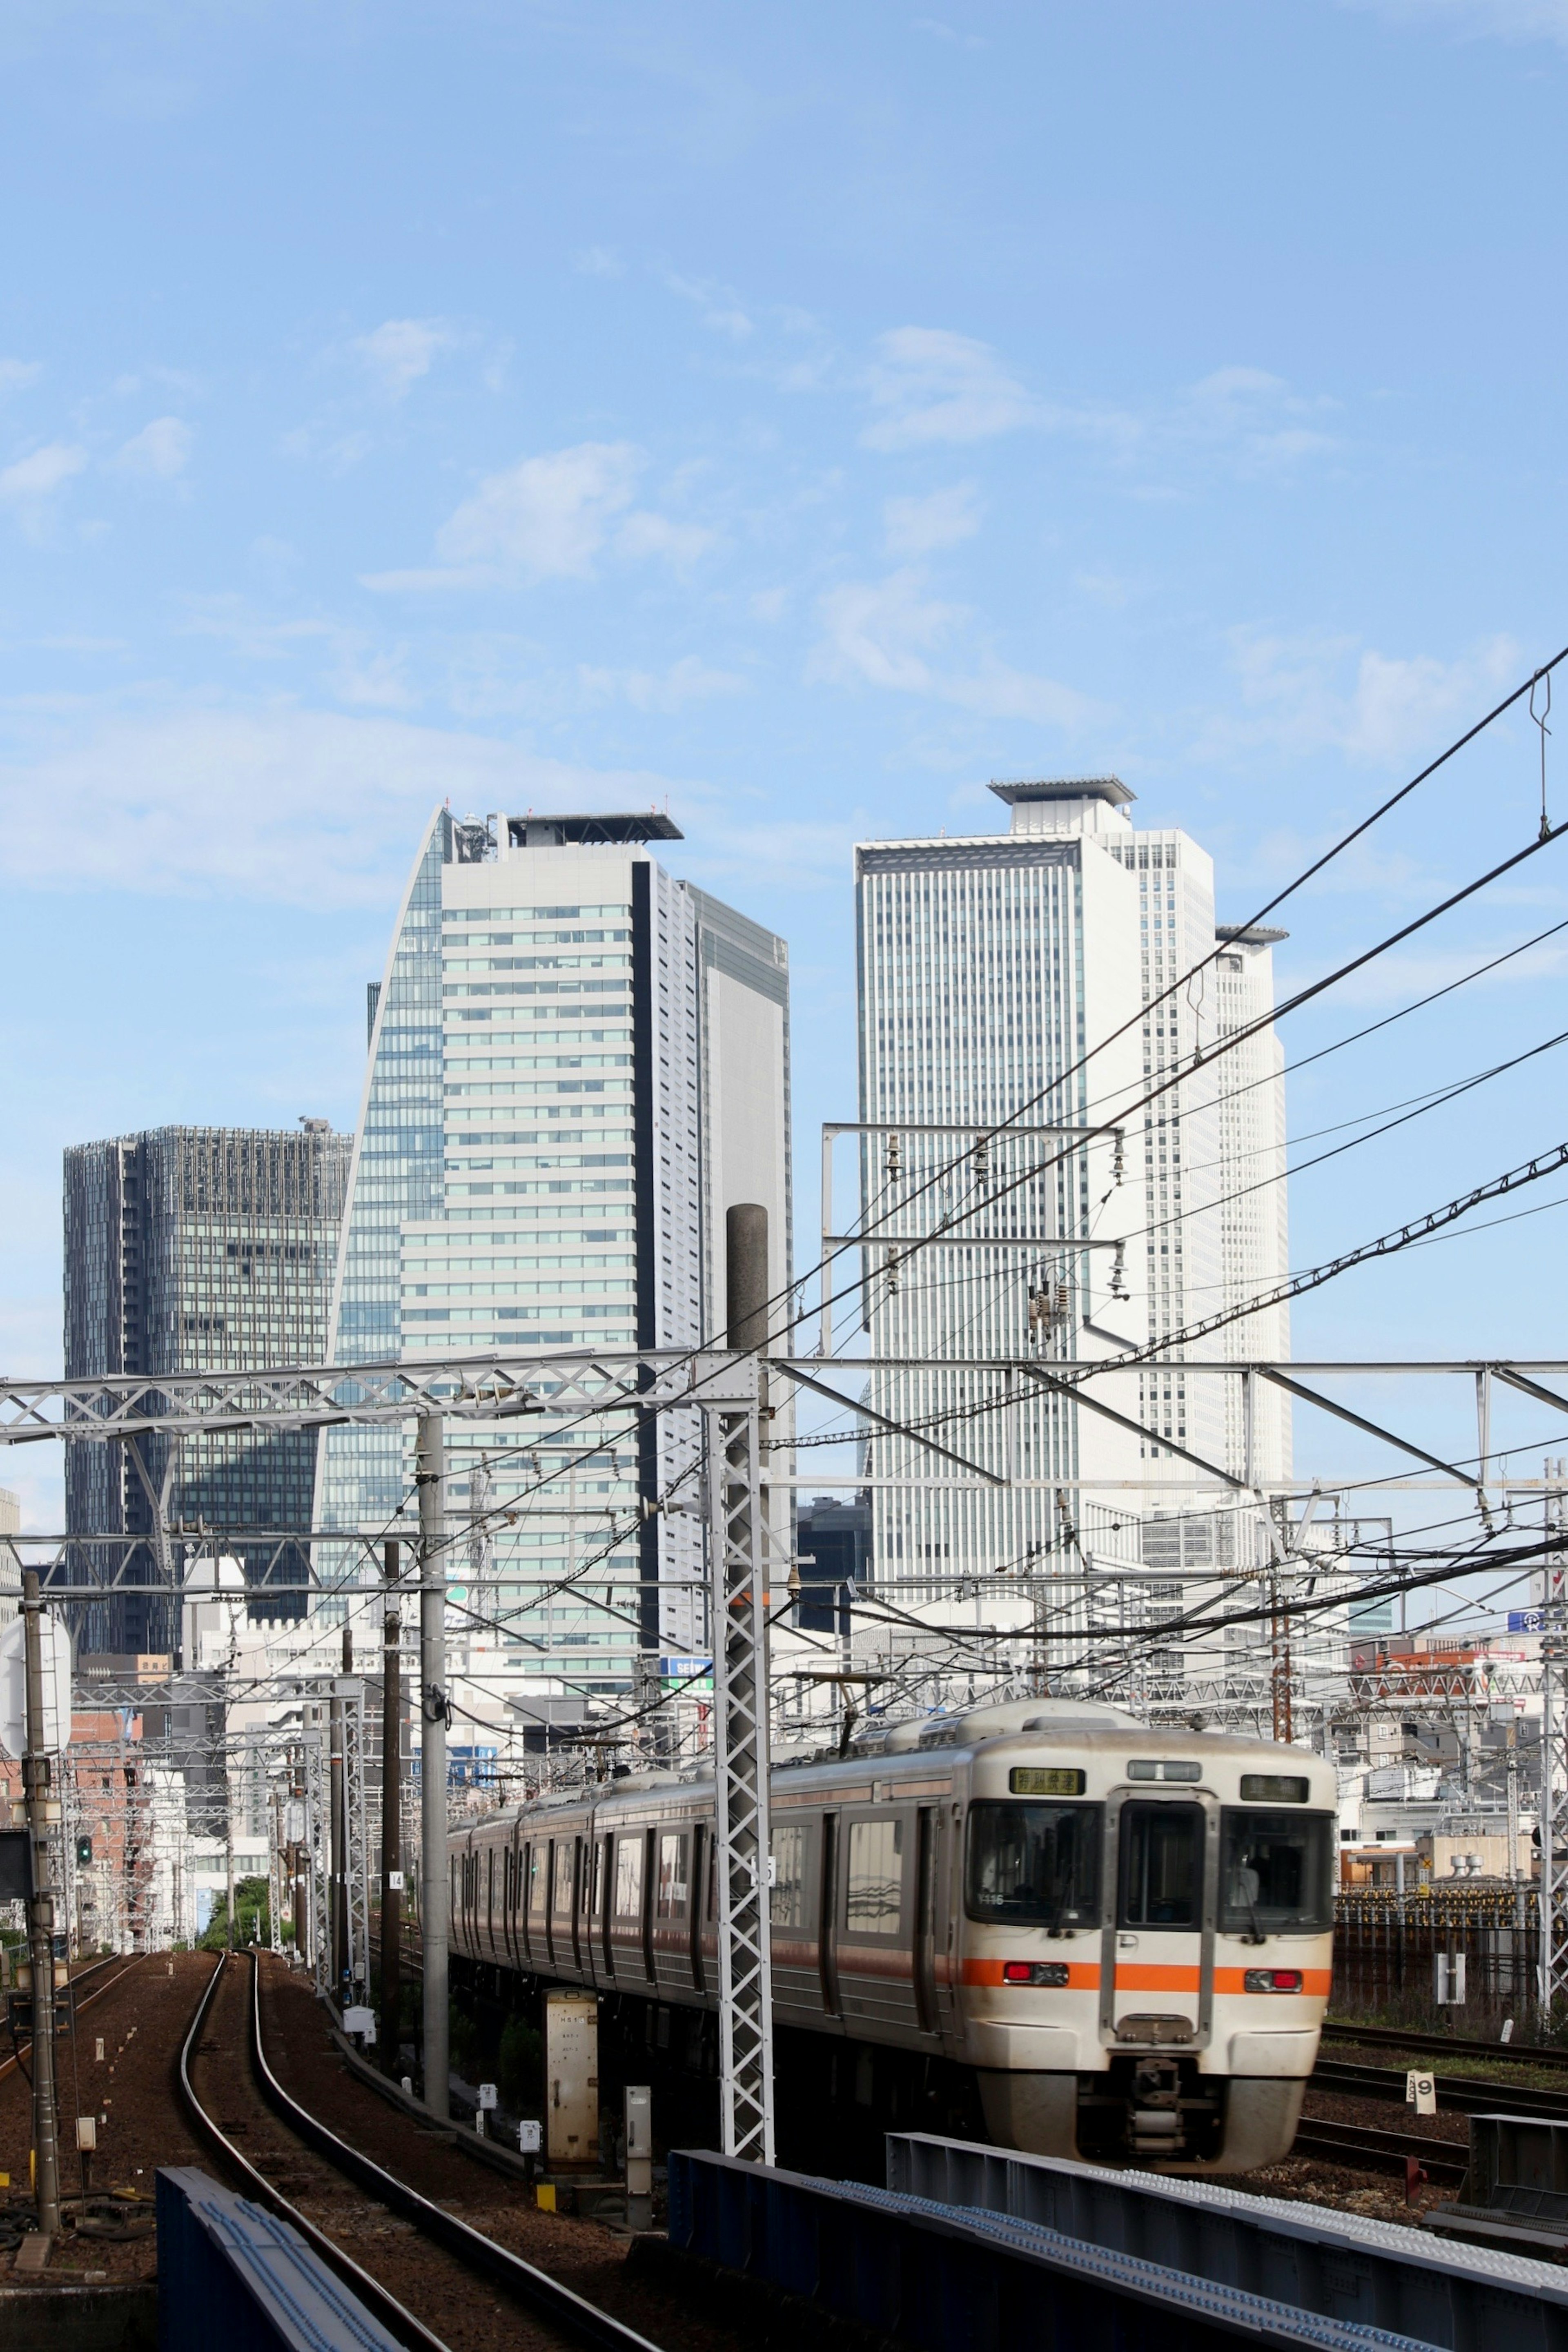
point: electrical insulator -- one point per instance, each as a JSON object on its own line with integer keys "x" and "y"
{"x": 893, "y": 1276}
{"x": 894, "y": 1171}
{"x": 983, "y": 1161}
{"x": 1039, "y": 1309}
{"x": 1119, "y": 1158}
{"x": 1062, "y": 1302}
{"x": 1119, "y": 1272}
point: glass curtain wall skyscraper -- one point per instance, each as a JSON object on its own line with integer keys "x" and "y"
{"x": 1017, "y": 979}
{"x": 577, "y": 1064}
{"x": 189, "y": 1250}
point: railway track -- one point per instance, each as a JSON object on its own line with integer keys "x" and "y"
{"x": 292, "y": 2159}
{"x": 1365, "y": 2149}
{"x": 1389, "y": 2037}
{"x": 1462, "y": 2093}
{"x": 122, "y": 1968}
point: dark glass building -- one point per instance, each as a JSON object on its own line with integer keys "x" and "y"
{"x": 833, "y": 1545}
{"x": 190, "y": 1249}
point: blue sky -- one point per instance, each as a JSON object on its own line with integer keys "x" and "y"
{"x": 800, "y": 416}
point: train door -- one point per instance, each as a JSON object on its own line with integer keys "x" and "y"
{"x": 490, "y": 1900}
{"x": 538, "y": 1902}
{"x": 876, "y": 1918}
{"x": 701, "y": 1844}
{"x": 828, "y": 1919}
{"x": 928, "y": 1822}
{"x": 672, "y": 1910}
{"x": 1154, "y": 1992}
{"x": 562, "y": 1855}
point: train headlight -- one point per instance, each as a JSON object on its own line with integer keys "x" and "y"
{"x": 1036, "y": 1972}
{"x": 1272, "y": 1981}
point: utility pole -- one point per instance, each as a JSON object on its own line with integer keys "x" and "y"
{"x": 42, "y": 1809}
{"x": 430, "y": 1478}
{"x": 391, "y": 1824}
{"x": 739, "y": 1633}
{"x": 337, "y": 1799}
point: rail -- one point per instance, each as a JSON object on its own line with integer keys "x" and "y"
{"x": 1393, "y": 2037}
{"x": 561, "y": 2305}
{"x": 382, "y": 2304}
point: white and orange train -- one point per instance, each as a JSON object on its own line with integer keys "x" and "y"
{"x": 1122, "y": 1937}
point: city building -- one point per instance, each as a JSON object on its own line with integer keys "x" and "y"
{"x": 833, "y": 1554}
{"x": 190, "y": 1249}
{"x": 577, "y": 1063}
{"x": 1018, "y": 983}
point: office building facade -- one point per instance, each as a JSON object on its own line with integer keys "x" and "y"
{"x": 189, "y": 1250}
{"x": 577, "y": 1064}
{"x": 1022, "y": 979}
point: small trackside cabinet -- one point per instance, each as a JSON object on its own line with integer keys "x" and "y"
{"x": 572, "y": 2078}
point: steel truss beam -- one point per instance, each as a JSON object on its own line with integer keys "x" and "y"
{"x": 739, "y": 1634}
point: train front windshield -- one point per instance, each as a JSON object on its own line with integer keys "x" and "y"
{"x": 1035, "y": 1865}
{"x": 1276, "y": 1872}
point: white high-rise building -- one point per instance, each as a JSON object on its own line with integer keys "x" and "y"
{"x": 1018, "y": 978}
{"x": 577, "y": 1064}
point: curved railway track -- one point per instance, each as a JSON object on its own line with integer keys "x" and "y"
{"x": 467, "y": 2253}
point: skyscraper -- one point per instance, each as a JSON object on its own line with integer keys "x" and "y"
{"x": 190, "y": 1249}
{"x": 577, "y": 1064}
{"x": 1018, "y": 978}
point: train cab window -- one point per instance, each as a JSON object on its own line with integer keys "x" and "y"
{"x": 1162, "y": 1865}
{"x": 673, "y": 1848}
{"x": 628, "y": 1875}
{"x": 601, "y": 1849}
{"x": 787, "y": 1902}
{"x": 536, "y": 1882}
{"x": 874, "y": 1878}
{"x": 1035, "y": 1865}
{"x": 1276, "y": 1872}
{"x": 562, "y": 1903}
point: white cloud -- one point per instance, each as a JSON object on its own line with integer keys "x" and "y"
{"x": 547, "y": 517}
{"x": 917, "y": 526}
{"x": 400, "y": 351}
{"x": 885, "y": 633}
{"x": 687, "y": 680}
{"x": 653, "y": 534}
{"x": 159, "y": 452}
{"x": 1507, "y": 20}
{"x": 17, "y": 374}
{"x": 598, "y": 262}
{"x": 550, "y": 517}
{"x": 721, "y": 309}
{"x": 1304, "y": 694}
{"x": 33, "y": 479}
{"x": 314, "y": 809}
{"x": 1254, "y": 415}
{"x": 934, "y": 386}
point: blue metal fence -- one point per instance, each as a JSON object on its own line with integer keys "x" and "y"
{"x": 230, "y": 2274}
{"x": 941, "y": 2280}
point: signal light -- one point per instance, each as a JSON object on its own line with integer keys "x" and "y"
{"x": 1035, "y": 1972}
{"x": 1272, "y": 1981}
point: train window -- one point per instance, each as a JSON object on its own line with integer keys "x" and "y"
{"x": 536, "y": 1882}
{"x": 1162, "y": 1865}
{"x": 672, "y": 1888}
{"x": 628, "y": 1875}
{"x": 600, "y": 1848}
{"x": 1035, "y": 1865}
{"x": 874, "y": 1881}
{"x": 787, "y": 1905}
{"x": 1276, "y": 1872}
{"x": 562, "y": 1903}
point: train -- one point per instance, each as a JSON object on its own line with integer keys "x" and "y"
{"x": 1097, "y": 1939}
